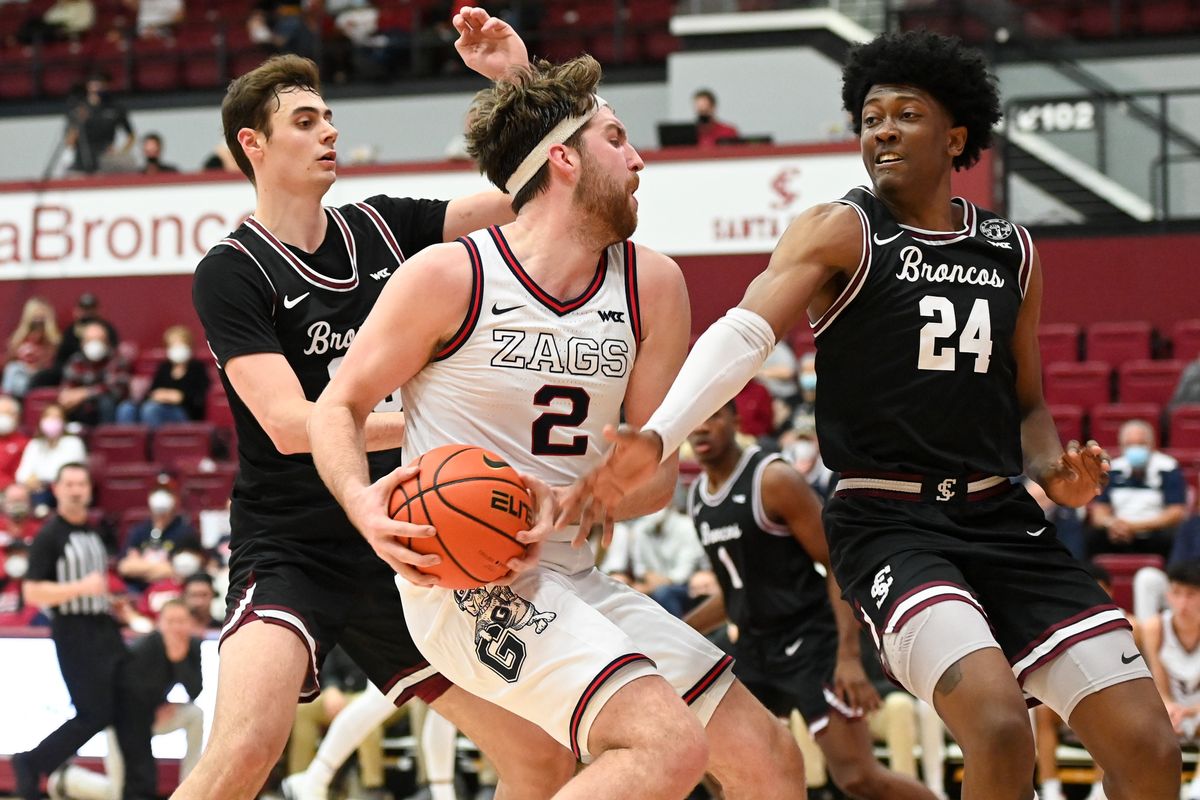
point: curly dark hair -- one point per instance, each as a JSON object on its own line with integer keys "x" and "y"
{"x": 956, "y": 76}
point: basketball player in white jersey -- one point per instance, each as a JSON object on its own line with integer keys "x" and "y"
{"x": 528, "y": 339}
{"x": 1171, "y": 642}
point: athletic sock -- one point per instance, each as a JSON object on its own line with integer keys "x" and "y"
{"x": 1051, "y": 790}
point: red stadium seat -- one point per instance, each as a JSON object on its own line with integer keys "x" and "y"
{"x": 126, "y": 486}
{"x": 1117, "y": 342}
{"x": 35, "y": 403}
{"x": 1184, "y": 425}
{"x": 1059, "y": 342}
{"x": 1122, "y": 567}
{"x": 1084, "y": 384}
{"x": 201, "y": 489}
{"x": 1148, "y": 381}
{"x": 1163, "y": 16}
{"x": 120, "y": 444}
{"x": 147, "y": 361}
{"x": 175, "y": 443}
{"x": 1185, "y": 337}
{"x": 1069, "y": 422}
{"x": 1188, "y": 457}
{"x": 216, "y": 409}
{"x": 801, "y": 340}
{"x": 1106, "y": 420}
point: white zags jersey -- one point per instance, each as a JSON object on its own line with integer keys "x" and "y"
{"x": 530, "y": 377}
{"x": 1182, "y": 666}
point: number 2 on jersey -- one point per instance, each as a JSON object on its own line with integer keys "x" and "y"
{"x": 976, "y": 336}
{"x": 545, "y": 424}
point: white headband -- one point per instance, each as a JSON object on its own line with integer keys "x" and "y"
{"x": 540, "y": 154}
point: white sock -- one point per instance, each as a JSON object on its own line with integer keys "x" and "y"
{"x": 442, "y": 791}
{"x": 1051, "y": 789}
{"x": 437, "y": 748}
{"x": 363, "y": 714}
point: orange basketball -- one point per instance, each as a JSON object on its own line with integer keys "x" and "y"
{"x": 476, "y": 502}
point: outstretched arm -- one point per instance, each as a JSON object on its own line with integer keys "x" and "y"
{"x": 488, "y": 44}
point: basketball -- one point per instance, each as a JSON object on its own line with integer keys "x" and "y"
{"x": 476, "y": 502}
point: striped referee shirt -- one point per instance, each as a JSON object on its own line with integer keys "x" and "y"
{"x": 63, "y": 553}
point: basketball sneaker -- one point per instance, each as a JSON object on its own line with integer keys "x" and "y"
{"x": 298, "y": 787}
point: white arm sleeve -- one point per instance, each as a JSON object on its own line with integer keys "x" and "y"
{"x": 721, "y": 363}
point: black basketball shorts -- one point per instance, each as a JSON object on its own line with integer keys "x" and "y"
{"x": 894, "y": 558}
{"x": 330, "y": 590}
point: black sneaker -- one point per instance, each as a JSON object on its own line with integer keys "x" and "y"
{"x": 27, "y": 778}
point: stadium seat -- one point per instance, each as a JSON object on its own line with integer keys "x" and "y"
{"x": 175, "y": 443}
{"x": 1185, "y": 338}
{"x": 1186, "y": 456}
{"x": 202, "y": 489}
{"x": 120, "y": 444}
{"x": 1184, "y": 426}
{"x": 126, "y": 486}
{"x": 1122, "y": 567}
{"x": 1106, "y": 420}
{"x": 35, "y": 403}
{"x": 147, "y": 361}
{"x": 1084, "y": 384}
{"x": 800, "y": 339}
{"x": 1117, "y": 342}
{"x": 216, "y": 409}
{"x": 1059, "y": 342}
{"x": 1170, "y": 17}
{"x": 1148, "y": 381}
{"x": 1069, "y": 422}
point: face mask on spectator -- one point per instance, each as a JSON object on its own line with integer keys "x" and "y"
{"x": 8, "y": 424}
{"x": 179, "y": 353}
{"x": 94, "y": 350}
{"x": 161, "y": 502}
{"x": 16, "y": 566}
{"x": 1138, "y": 455}
{"x": 51, "y": 427}
{"x": 185, "y": 564}
{"x": 808, "y": 381}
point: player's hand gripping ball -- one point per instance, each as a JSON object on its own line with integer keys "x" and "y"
{"x": 477, "y": 504}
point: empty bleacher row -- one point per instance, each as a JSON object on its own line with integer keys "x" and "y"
{"x": 1052, "y": 20}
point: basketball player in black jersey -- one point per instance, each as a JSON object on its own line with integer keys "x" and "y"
{"x": 281, "y": 299}
{"x": 925, "y": 311}
{"x": 797, "y": 640}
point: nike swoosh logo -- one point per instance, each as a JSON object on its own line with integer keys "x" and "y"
{"x": 739, "y": 498}
{"x": 495, "y": 464}
{"x": 291, "y": 302}
{"x": 1038, "y": 532}
{"x": 1130, "y": 659}
{"x": 791, "y": 649}
{"x": 889, "y": 239}
{"x": 497, "y": 309}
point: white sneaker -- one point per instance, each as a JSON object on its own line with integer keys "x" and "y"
{"x": 298, "y": 787}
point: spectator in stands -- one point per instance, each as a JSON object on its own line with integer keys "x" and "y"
{"x": 778, "y": 374}
{"x": 92, "y": 126}
{"x": 1068, "y": 522}
{"x": 12, "y": 439}
{"x": 17, "y": 520}
{"x": 341, "y": 682}
{"x": 187, "y": 559}
{"x": 179, "y": 389}
{"x": 63, "y": 20}
{"x": 156, "y": 19}
{"x": 287, "y": 25}
{"x": 86, "y": 311}
{"x": 804, "y": 453}
{"x": 803, "y": 421}
{"x": 657, "y": 554}
{"x": 1145, "y": 500}
{"x": 710, "y": 130}
{"x": 199, "y": 594}
{"x": 47, "y": 452}
{"x": 153, "y": 544}
{"x": 95, "y": 380}
{"x": 1188, "y": 388}
{"x": 31, "y": 347}
{"x": 1171, "y": 643}
{"x": 15, "y": 564}
{"x": 756, "y": 415}
{"x": 220, "y": 160}
{"x": 152, "y": 147}
{"x": 1050, "y": 728}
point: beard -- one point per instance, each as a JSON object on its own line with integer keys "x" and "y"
{"x": 608, "y": 215}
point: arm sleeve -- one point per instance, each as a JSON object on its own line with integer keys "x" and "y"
{"x": 725, "y": 358}
{"x": 42, "y": 557}
{"x": 236, "y": 305}
{"x": 416, "y": 224}
{"x": 1174, "y": 488}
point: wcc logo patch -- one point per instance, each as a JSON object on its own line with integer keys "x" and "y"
{"x": 499, "y": 612}
{"x": 996, "y": 229}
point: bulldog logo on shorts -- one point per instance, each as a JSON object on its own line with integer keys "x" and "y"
{"x": 498, "y": 612}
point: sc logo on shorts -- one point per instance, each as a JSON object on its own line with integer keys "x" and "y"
{"x": 882, "y": 585}
{"x": 499, "y": 612}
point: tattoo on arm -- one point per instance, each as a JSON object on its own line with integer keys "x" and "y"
{"x": 949, "y": 680}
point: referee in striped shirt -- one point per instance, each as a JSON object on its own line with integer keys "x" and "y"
{"x": 68, "y": 567}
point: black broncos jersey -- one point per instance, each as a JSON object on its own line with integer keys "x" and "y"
{"x": 915, "y": 360}
{"x": 255, "y": 294}
{"x": 769, "y": 581}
